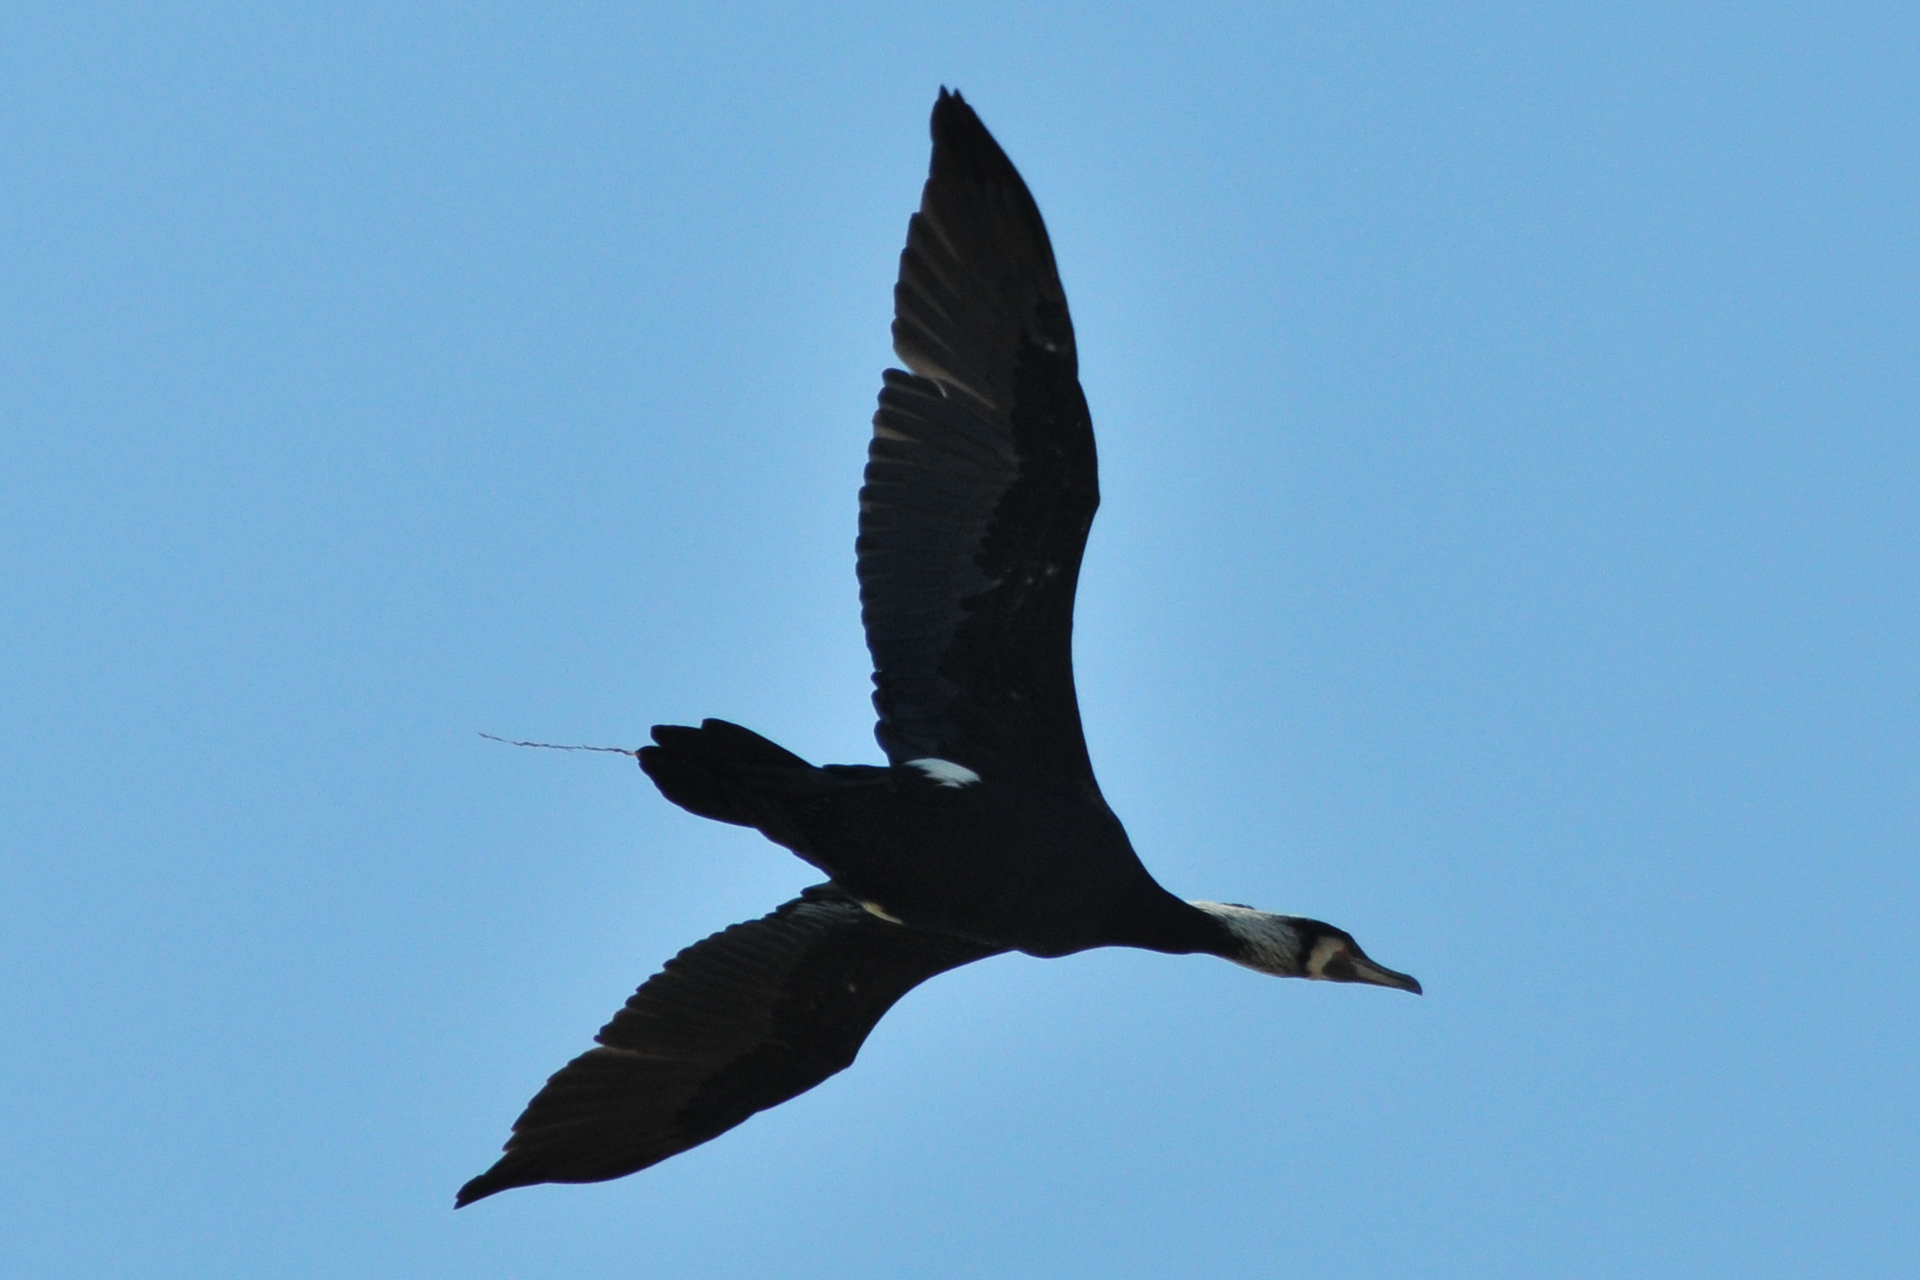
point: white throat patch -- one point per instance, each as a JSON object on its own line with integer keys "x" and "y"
{"x": 1323, "y": 951}
{"x": 945, "y": 772}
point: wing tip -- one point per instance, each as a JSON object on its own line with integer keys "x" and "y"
{"x": 957, "y": 129}
{"x": 518, "y": 1169}
{"x": 488, "y": 1183}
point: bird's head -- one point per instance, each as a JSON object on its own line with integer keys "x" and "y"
{"x": 1296, "y": 947}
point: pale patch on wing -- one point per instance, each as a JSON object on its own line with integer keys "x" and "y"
{"x": 875, "y": 909}
{"x": 945, "y": 772}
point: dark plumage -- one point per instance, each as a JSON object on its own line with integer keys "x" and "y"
{"x": 987, "y": 831}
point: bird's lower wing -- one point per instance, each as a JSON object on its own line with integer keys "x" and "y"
{"x": 752, "y": 1016}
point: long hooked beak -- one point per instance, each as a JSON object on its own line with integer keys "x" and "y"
{"x": 1352, "y": 966}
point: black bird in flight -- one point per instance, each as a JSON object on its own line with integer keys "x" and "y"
{"x": 986, "y": 832}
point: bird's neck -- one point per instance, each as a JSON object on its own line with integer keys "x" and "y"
{"x": 1257, "y": 939}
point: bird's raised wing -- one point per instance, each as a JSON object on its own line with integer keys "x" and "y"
{"x": 981, "y": 481}
{"x": 754, "y": 1015}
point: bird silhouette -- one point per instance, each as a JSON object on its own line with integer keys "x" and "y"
{"x": 986, "y": 831}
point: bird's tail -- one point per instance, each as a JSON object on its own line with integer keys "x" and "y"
{"x": 730, "y": 774}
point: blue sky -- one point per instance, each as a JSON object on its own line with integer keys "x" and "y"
{"x": 1508, "y": 433}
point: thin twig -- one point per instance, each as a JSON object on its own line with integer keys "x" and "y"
{"x": 554, "y": 746}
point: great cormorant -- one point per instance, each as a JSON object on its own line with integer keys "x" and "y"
{"x": 986, "y": 832}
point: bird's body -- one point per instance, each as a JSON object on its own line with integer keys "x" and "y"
{"x": 1011, "y": 866}
{"x": 987, "y": 831}
{"x": 961, "y": 862}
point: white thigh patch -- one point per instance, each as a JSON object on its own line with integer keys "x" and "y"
{"x": 945, "y": 772}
